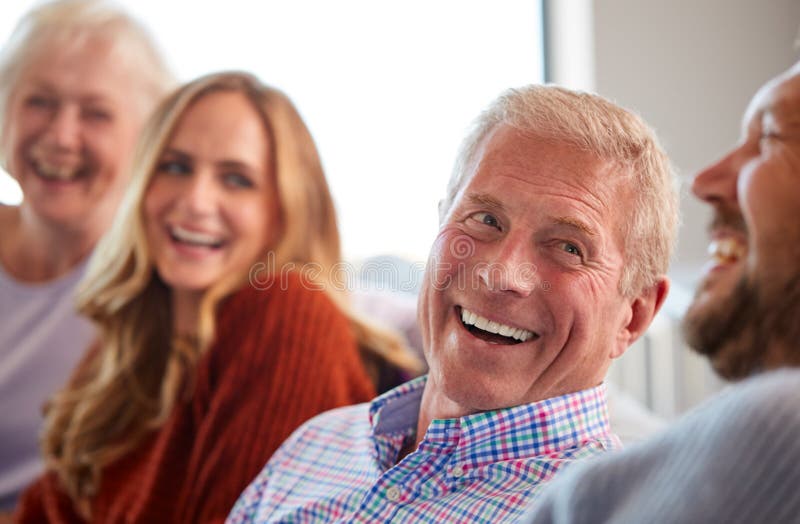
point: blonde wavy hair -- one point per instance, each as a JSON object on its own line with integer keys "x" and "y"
{"x": 132, "y": 379}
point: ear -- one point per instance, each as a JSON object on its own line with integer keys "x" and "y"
{"x": 643, "y": 309}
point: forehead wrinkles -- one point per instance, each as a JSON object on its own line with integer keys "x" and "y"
{"x": 98, "y": 65}
{"x": 549, "y": 167}
{"x": 590, "y": 188}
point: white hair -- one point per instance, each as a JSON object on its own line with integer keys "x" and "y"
{"x": 72, "y": 24}
{"x": 591, "y": 123}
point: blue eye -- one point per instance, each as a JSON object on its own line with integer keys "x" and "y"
{"x": 174, "y": 167}
{"x": 96, "y": 114}
{"x": 237, "y": 180}
{"x": 40, "y": 101}
{"x": 486, "y": 219}
{"x": 571, "y": 249}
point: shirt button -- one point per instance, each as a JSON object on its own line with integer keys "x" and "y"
{"x": 457, "y": 471}
{"x": 393, "y": 493}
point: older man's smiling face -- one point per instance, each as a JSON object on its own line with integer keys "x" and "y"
{"x": 521, "y": 299}
{"x": 750, "y": 295}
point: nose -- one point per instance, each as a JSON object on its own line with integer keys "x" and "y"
{"x": 64, "y": 129}
{"x": 511, "y": 270}
{"x": 200, "y": 194}
{"x": 717, "y": 182}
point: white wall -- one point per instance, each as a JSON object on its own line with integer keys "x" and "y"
{"x": 387, "y": 89}
{"x": 689, "y": 67}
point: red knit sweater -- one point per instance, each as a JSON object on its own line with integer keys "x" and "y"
{"x": 282, "y": 356}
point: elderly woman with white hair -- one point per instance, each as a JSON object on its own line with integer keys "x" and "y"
{"x": 78, "y": 79}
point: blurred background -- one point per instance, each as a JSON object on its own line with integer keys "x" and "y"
{"x": 388, "y": 90}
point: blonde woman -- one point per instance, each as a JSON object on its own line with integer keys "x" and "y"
{"x": 221, "y": 329}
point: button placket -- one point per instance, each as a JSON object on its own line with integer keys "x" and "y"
{"x": 393, "y": 493}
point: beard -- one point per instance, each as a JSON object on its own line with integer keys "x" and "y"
{"x": 751, "y": 330}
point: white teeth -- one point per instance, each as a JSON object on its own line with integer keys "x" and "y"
{"x": 726, "y": 250}
{"x": 57, "y": 172}
{"x": 193, "y": 237}
{"x": 471, "y": 319}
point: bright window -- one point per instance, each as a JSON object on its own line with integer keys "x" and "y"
{"x": 387, "y": 89}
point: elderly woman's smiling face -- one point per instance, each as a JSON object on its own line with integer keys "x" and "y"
{"x": 70, "y": 131}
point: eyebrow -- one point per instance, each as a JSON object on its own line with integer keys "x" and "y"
{"x": 485, "y": 200}
{"x": 574, "y": 223}
{"x": 571, "y": 222}
{"x": 176, "y": 152}
{"x": 91, "y": 98}
{"x": 224, "y": 164}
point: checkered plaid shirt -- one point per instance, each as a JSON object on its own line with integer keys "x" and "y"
{"x": 486, "y": 467}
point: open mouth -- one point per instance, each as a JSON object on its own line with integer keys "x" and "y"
{"x": 60, "y": 173}
{"x": 493, "y": 332}
{"x": 727, "y": 250}
{"x": 194, "y": 238}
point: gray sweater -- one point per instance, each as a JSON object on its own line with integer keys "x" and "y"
{"x": 734, "y": 459}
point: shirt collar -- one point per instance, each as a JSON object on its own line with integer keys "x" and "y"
{"x": 397, "y": 410}
{"x": 541, "y": 428}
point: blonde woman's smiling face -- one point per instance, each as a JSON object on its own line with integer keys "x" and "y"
{"x": 209, "y": 206}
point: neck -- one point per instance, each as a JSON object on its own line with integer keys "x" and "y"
{"x": 436, "y": 405}
{"x": 34, "y": 250}
{"x": 185, "y": 311}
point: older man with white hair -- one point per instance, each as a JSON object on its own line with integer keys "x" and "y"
{"x": 554, "y": 240}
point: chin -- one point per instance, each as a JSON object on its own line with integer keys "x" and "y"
{"x": 720, "y": 327}
{"x": 179, "y": 281}
{"x": 481, "y": 393}
{"x": 711, "y": 302}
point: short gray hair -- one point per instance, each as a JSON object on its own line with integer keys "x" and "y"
{"x": 73, "y": 23}
{"x": 591, "y": 123}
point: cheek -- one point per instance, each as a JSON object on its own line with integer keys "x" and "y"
{"x": 762, "y": 202}
{"x": 577, "y": 305}
{"x": 440, "y": 274}
{"x": 108, "y": 149}
{"x": 154, "y": 203}
{"x": 17, "y": 135}
{"x": 112, "y": 145}
{"x": 253, "y": 223}
{"x": 568, "y": 287}
{"x": 451, "y": 250}
{"x": 127, "y": 136}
